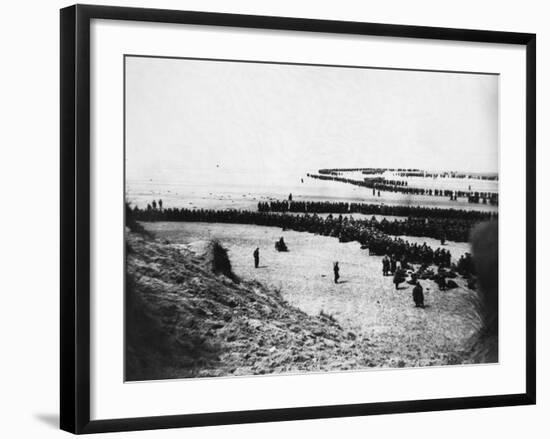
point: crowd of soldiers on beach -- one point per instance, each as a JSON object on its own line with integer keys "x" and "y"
{"x": 443, "y": 224}
{"x": 399, "y": 255}
{"x": 378, "y": 184}
{"x": 368, "y": 233}
{"x": 372, "y": 209}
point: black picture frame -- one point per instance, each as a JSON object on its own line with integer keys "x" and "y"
{"x": 75, "y": 217}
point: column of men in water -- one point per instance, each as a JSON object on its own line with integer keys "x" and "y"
{"x": 378, "y": 184}
{"x": 398, "y": 254}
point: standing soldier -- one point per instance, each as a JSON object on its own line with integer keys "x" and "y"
{"x": 398, "y": 277}
{"x": 256, "y": 257}
{"x": 393, "y": 264}
{"x": 418, "y": 295}
{"x": 154, "y": 203}
{"x": 385, "y": 265}
{"x": 160, "y": 204}
{"x": 336, "y": 270}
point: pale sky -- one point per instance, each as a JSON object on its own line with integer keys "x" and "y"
{"x": 193, "y": 115}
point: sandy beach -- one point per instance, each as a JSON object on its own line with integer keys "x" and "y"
{"x": 364, "y": 302}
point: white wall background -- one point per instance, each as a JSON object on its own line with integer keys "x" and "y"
{"x": 29, "y": 187}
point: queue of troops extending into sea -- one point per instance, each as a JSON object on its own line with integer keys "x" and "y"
{"x": 413, "y": 172}
{"x": 378, "y": 184}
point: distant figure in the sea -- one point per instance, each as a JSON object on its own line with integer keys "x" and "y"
{"x": 418, "y": 295}
{"x": 336, "y": 270}
{"x": 290, "y": 197}
{"x": 256, "y": 257}
{"x": 280, "y": 245}
{"x": 302, "y": 179}
{"x": 378, "y": 193}
{"x": 385, "y": 265}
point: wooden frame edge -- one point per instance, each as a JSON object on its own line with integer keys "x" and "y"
{"x": 75, "y": 215}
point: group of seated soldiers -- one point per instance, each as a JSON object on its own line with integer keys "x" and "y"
{"x": 443, "y": 276}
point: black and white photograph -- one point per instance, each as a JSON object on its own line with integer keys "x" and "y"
{"x": 275, "y": 219}
{"x": 295, "y": 218}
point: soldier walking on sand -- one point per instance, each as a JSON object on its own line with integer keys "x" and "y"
{"x": 393, "y": 264}
{"x": 385, "y": 265}
{"x": 418, "y": 295}
{"x": 256, "y": 257}
{"x": 336, "y": 270}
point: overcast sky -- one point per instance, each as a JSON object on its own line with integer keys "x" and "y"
{"x": 184, "y": 115}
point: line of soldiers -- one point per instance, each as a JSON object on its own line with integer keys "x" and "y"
{"x": 411, "y": 172}
{"x": 439, "y": 228}
{"x": 366, "y": 232}
{"x": 154, "y": 205}
{"x": 375, "y": 183}
{"x": 373, "y": 209}
{"x": 402, "y": 253}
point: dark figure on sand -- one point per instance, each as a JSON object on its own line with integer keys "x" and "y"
{"x": 336, "y": 270}
{"x": 418, "y": 295}
{"x": 393, "y": 264}
{"x": 398, "y": 277}
{"x": 442, "y": 238}
{"x": 385, "y": 266}
{"x": 256, "y": 257}
{"x": 280, "y": 245}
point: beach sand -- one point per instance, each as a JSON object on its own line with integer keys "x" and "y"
{"x": 364, "y": 301}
